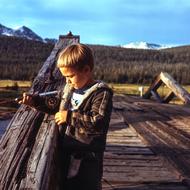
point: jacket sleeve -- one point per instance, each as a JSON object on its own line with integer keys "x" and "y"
{"x": 96, "y": 120}
{"x": 48, "y": 105}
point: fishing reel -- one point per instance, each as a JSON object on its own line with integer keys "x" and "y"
{"x": 51, "y": 98}
{"x": 52, "y": 102}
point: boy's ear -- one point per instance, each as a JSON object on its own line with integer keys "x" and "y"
{"x": 86, "y": 68}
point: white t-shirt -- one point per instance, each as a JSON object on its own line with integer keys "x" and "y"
{"x": 76, "y": 100}
{"x": 78, "y": 96}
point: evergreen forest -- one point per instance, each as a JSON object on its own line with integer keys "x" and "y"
{"x": 21, "y": 59}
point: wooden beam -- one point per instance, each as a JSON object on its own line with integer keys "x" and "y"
{"x": 154, "y": 86}
{"x": 156, "y": 96}
{"x": 169, "y": 97}
{"x": 177, "y": 89}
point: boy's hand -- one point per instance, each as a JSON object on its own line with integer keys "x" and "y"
{"x": 61, "y": 117}
{"x": 27, "y": 99}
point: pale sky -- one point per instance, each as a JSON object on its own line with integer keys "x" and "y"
{"x": 108, "y": 22}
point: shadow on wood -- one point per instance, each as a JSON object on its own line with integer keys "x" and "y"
{"x": 147, "y": 146}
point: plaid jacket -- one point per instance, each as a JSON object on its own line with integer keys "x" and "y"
{"x": 85, "y": 137}
{"x": 87, "y": 126}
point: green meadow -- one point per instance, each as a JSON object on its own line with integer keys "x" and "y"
{"x": 11, "y": 88}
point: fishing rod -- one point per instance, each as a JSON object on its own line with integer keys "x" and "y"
{"x": 51, "y": 98}
{"x": 43, "y": 94}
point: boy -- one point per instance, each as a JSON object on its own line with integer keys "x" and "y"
{"x": 86, "y": 119}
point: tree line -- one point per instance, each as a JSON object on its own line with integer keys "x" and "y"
{"x": 120, "y": 65}
{"x": 21, "y": 59}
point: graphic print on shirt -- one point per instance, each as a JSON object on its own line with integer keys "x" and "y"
{"x": 76, "y": 100}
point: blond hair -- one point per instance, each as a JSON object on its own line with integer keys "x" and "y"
{"x": 76, "y": 56}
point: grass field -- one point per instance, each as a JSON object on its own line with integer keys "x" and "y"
{"x": 134, "y": 89}
{"x": 8, "y": 90}
{"x": 12, "y": 89}
{"x": 12, "y": 83}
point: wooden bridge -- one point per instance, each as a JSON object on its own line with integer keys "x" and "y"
{"x": 147, "y": 144}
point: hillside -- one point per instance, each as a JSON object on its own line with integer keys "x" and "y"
{"x": 21, "y": 59}
{"x": 116, "y": 64}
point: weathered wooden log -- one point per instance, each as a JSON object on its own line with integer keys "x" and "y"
{"x": 29, "y": 148}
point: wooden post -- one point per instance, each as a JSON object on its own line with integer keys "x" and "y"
{"x": 28, "y": 149}
{"x": 141, "y": 90}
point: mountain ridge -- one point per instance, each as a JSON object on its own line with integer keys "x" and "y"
{"x": 24, "y": 32}
{"x": 146, "y": 45}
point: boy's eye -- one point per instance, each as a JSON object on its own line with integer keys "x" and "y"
{"x": 71, "y": 76}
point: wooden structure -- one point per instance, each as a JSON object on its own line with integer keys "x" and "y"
{"x": 175, "y": 89}
{"x": 147, "y": 146}
{"x": 26, "y": 159}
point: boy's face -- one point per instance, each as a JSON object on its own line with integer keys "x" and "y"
{"x": 76, "y": 78}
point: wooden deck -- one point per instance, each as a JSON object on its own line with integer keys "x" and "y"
{"x": 148, "y": 146}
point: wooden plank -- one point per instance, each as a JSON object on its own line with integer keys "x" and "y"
{"x": 144, "y": 186}
{"x": 161, "y": 147}
{"x": 172, "y": 134}
{"x": 154, "y": 86}
{"x": 169, "y": 97}
{"x": 156, "y": 96}
{"x": 125, "y": 162}
{"x": 133, "y": 163}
